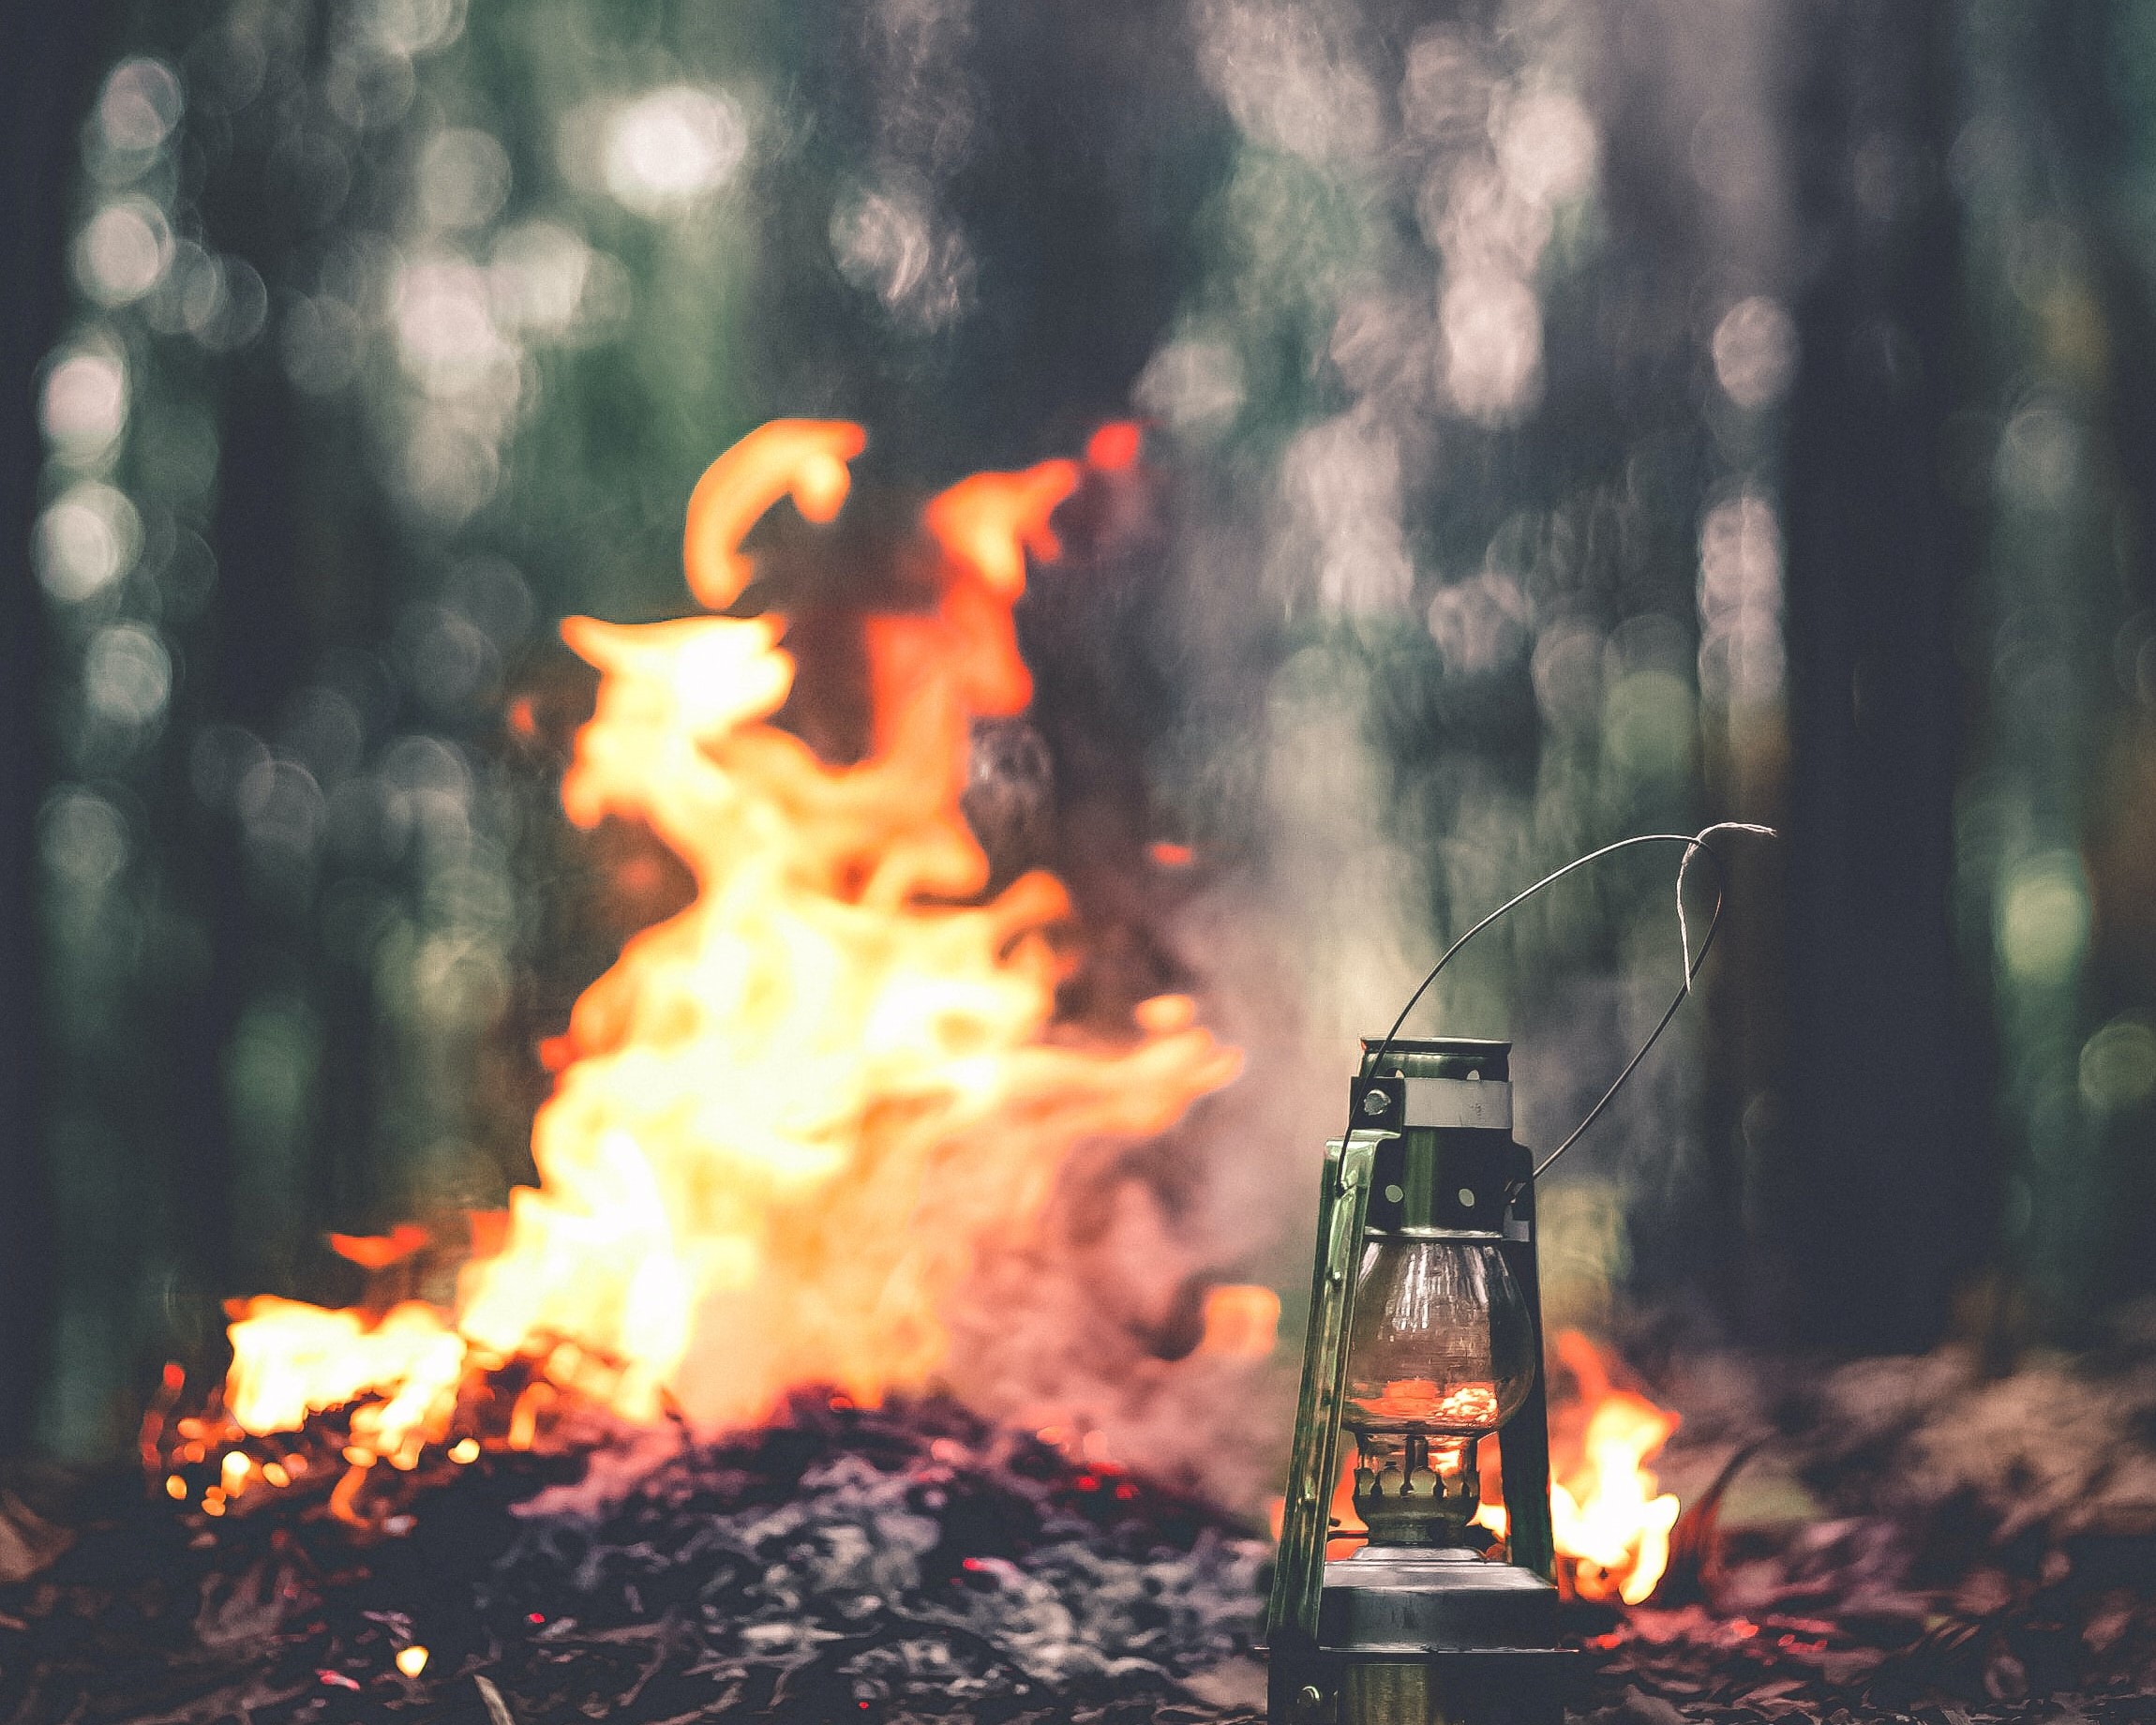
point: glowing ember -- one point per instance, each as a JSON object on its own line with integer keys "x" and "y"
{"x": 1611, "y": 1523}
{"x": 379, "y": 1252}
{"x": 1241, "y": 1321}
{"x": 786, "y": 1118}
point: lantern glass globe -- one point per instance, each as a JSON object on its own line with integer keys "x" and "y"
{"x": 1442, "y": 1343}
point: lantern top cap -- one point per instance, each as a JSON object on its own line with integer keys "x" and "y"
{"x": 1441, "y": 1057}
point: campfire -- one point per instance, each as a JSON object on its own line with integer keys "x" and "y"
{"x": 788, "y": 1116}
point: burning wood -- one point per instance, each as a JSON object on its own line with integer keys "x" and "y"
{"x": 1913, "y": 1538}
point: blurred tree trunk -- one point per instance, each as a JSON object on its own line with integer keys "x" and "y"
{"x": 54, "y": 55}
{"x": 1885, "y": 1178}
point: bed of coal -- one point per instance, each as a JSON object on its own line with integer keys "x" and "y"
{"x": 1925, "y": 1541}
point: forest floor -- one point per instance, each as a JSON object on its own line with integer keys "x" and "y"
{"x": 1913, "y": 1541}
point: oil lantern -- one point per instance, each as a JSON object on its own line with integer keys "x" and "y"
{"x": 1425, "y": 1337}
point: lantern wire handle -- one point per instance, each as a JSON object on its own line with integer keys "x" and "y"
{"x": 1694, "y": 844}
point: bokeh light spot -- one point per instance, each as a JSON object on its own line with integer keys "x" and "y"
{"x": 282, "y": 808}
{"x": 1493, "y": 328}
{"x": 1548, "y": 146}
{"x": 2040, "y": 458}
{"x": 81, "y": 839}
{"x": 546, "y": 280}
{"x": 1479, "y": 624}
{"x": 1740, "y": 655}
{"x": 126, "y": 674}
{"x": 445, "y": 327}
{"x": 464, "y": 178}
{"x": 84, "y": 408}
{"x": 2118, "y": 1065}
{"x": 2044, "y": 920}
{"x": 124, "y": 251}
{"x": 85, "y": 540}
{"x": 407, "y": 27}
{"x": 672, "y": 147}
{"x": 1755, "y": 351}
{"x": 140, "y": 106}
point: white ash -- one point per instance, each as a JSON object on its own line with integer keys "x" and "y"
{"x": 862, "y": 1575}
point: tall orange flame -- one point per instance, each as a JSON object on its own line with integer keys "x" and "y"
{"x": 787, "y": 1117}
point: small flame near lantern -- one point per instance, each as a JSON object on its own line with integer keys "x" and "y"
{"x": 1610, "y": 1518}
{"x": 1610, "y": 1521}
{"x": 785, "y": 1117}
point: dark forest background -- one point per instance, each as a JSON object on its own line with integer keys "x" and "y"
{"x": 1564, "y": 420}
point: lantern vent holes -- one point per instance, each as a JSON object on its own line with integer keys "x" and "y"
{"x": 1376, "y": 1102}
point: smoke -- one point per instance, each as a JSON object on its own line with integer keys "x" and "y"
{"x": 1290, "y": 77}
{"x": 1432, "y": 640}
{"x": 893, "y": 234}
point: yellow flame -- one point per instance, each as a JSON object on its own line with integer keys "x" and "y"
{"x": 793, "y": 1111}
{"x": 1609, "y": 1519}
